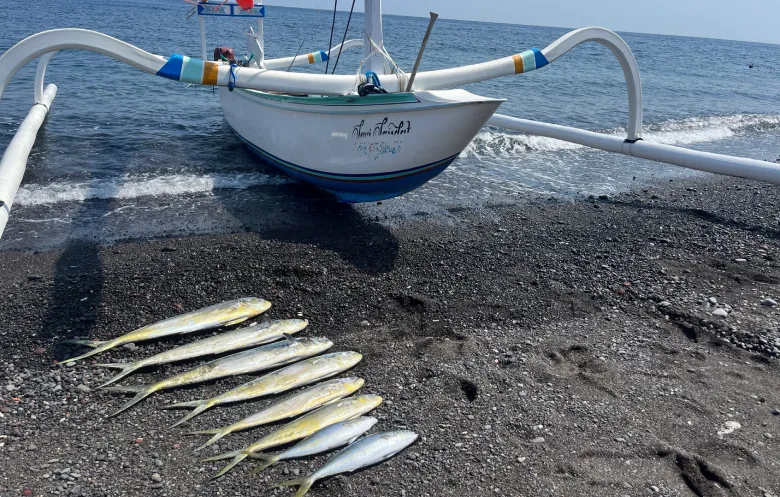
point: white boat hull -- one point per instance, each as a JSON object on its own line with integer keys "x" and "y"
{"x": 360, "y": 149}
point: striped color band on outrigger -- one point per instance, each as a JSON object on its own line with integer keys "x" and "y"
{"x": 529, "y": 60}
{"x": 319, "y": 56}
{"x": 196, "y": 71}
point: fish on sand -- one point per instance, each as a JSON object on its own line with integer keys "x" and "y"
{"x": 248, "y": 361}
{"x": 302, "y": 427}
{"x": 294, "y": 376}
{"x": 365, "y": 452}
{"x": 298, "y": 403}
{"x": 241, "y": 338}
{"x": 325, "y": 440}
{"x": 223, "y": 314}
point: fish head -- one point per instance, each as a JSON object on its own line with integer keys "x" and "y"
{"x": 401, "y": 438}
{"x": 347, "y": 359}
{"x": 364, "y": 422}
{"x": 293, "y": 326}
{"x": 315, "y": 344}
{"x": 252, "y": 305}
{"x": 350, "y": 384}
{"x": 367, "y": 402}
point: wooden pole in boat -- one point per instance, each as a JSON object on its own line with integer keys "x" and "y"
{"x": 434, "y": 15}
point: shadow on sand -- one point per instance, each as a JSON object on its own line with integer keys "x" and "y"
{"x": 298, "y": 213}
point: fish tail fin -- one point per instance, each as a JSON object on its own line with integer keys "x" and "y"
{"x": 268, "y": 460}
{"x": 218, "y": 434}
{"x": 210, "y": 431}
{"x": 126, "y": 368}
{"x": 237, "y": 459}
{"x": 224, "y": 455}
{"x": 141, "y": 392}
{"x": 113, "y": 365}
{"x": 184, "y": 405}
{"x": 199, "y": 409}
{"x": 304, "y": 484}
{"x": 86, "y": 343}
{"x": 102, "y": 347}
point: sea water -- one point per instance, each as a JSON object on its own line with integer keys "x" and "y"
{"x": 127, "y": 154}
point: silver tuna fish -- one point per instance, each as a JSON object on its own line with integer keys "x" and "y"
{"x": 365, "y": 452}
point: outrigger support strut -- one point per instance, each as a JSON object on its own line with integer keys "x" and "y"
{"x": 692, "y": 159}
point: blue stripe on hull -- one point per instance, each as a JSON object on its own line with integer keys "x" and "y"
{"x": 354, "y": 188}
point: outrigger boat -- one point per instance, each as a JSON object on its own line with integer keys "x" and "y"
{"x": 369, "y": 136}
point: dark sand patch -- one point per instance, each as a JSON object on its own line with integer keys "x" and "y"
{"x": 586, "y": 324}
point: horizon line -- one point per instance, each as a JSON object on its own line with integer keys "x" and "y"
{"x": 536, "y": 25}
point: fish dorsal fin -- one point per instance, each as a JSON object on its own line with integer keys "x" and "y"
{"x": 290, "y": 339}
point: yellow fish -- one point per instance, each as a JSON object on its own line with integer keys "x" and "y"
{"x": 224, "y": 314}
{"x": 303, "y": 427}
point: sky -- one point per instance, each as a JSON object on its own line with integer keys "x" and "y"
{"x": 746, "y": 20}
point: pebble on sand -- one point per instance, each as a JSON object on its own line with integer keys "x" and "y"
{"x": 538, "y": 440}
{"x": 156, "y": 477}
{"x": 720, "y": 312}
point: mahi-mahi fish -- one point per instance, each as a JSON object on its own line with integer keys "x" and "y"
{"x": 224, "y": 314}
{"x": 248, "y": 361}
{"x": 302, "y": 427}
{"x": 325, "y": 440}
{"x": 297, "y": 375}
{"x": 298, "y": 403}
{"x": 365, "y": 452}
{"x": 241, "y": 338}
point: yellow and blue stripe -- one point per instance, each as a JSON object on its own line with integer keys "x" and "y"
{"x": 196, "y": 71}
{"x": 529, "y": 60}
{"x": 319, "y": 56}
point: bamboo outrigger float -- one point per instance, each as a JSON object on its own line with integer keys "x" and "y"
{"x": 369, "y": 136}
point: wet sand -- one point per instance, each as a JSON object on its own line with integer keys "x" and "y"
{"x": 551, "y": 348}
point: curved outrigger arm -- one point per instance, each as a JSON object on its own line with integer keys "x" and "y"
{"x": 197, "y": 71}
{"x": 535, "y": 59}
{"x": 176, "y": 67}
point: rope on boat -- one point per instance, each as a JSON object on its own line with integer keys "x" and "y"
{"x": 343, "y": 39}
{"x": 332, "y": 25}
{"x": 303, "y": 41}
{"x": 373, "y": 78}
{"x": 396, "y": 69}
{"x": 233, "y": 76}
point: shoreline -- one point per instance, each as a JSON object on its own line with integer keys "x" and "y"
{"x": 553, "y": 347}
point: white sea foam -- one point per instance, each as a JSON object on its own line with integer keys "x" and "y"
{"x": 493, "y": 143}
{"x": 488, "y": 143}
{"x": 125, "y": 187}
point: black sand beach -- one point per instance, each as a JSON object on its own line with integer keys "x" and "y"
{"x": 552, "y": 348}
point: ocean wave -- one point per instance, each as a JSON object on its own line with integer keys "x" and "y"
{"x": 490, "y": 142}
{"x": 126, "y": 187}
